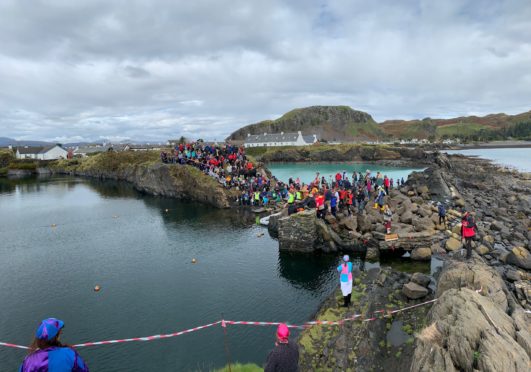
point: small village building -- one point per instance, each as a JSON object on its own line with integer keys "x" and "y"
{"x": 52, "y": 152}
{"x": 279, "y": 139}
{"x": 91, "y": 150}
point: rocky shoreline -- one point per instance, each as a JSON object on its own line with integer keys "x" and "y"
{"x": 481, "y": 318}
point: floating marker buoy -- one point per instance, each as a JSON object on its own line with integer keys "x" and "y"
{"x": 54, "y": 225}
{"x": 97, "y": 288}
{"x": 194, "y": 260}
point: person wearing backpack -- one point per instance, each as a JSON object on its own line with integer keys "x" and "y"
{"x": 468, "y": 231}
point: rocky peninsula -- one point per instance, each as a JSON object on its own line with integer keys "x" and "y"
{"x": 481, "y": 317}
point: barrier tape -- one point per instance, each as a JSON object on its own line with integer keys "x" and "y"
{"x": 224, "y": 324}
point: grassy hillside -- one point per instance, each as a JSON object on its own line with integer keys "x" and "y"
{"x": 343, "y": 124}
{"x": 329, "y": 123}
{"x": 490, "y": 127}
{"x": 108, "y": 161}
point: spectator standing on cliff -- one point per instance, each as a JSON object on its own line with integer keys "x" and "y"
{"x": 285, "y": 356}
{"x": 47, "y": 353}
{"x": 345, "y": 280}
{"x": 468, "y": 231}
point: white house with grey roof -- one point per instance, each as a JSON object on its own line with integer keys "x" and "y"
{"x": 279, "y": 139}
{"x": 41, "y": 152}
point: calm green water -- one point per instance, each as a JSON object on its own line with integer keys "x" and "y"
{"x": 518, "y": 158}
{"x": 306, "y": 171}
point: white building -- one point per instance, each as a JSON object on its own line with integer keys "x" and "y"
{"x": 279, "y": 139}
{"x": 41, "y": 153}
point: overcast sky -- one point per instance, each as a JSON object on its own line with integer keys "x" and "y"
{"x": 153, "y": 70}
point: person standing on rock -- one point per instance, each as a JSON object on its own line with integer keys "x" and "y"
{"x": 388, "y": 217}
{"x": 468, "y": 231}
{"x": 285, "y": 356}
{"x": 345, "y": 279}
{"x": 442, "y": 214}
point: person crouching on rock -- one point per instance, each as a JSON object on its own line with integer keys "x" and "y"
{"x": 468, "y": 231}
{"x": 46, "y": 353}
{"x": 388, "y": 217}
{"x": 345, "y": 279}
{"x": 285, "y": 356}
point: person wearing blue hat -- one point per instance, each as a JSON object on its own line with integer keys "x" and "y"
{"x": 46, "y": 353}
{"x": 345, "y": 279}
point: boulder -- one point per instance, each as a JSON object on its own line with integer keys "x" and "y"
{"x": 421, "y": 224}
{"x": 350, "y": 223}
{"x": 436, "y": 248}
{"x": 482, "y": 250}
{"x": 459, "y": 202}
{"x": 423, "y": 189}
{"x": 488, "y": 239}
{"x": 421, "y": 279}
{"x": 406, "y": 217}
{"x": 298, "y": 232}
{"x": 373, "y": 254}
{"x": 452, "y": 244}
{"x": 476, "y": 275}
{"x": 496, "y": 226}
{"x": 421, "y": 254}
{"x": 456, "y": 229}
{"x": 413, "y": 291}
{"x": 520, "y": 257}
{"x": 512, "y": 275}
{"x": 468, "y": 332}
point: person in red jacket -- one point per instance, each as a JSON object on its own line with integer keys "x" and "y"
{"x": 468, "y": 231}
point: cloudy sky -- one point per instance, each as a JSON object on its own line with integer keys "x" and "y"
{"x": 153, "y": 70}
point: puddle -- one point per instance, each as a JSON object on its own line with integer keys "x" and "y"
{"x": 396, "y": 335}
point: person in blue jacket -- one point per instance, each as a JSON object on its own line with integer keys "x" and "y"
{"x": 46, "y": 353}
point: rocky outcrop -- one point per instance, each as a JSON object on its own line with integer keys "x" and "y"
{"x": 170, "y": 180}
{"x": 471, "y": 329}
{"x": 298, "y": 232}
{"x": 324, "y": 153}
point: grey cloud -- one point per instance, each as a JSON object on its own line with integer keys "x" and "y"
{"x": 158, "y": 69}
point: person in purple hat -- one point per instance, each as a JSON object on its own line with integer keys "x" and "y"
{"x": 46, "y": 353}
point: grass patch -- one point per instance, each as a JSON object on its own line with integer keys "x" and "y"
{"x": 408, "y": 329}
{"x": 238, "y": 367}
{"x": 23, "y": 165}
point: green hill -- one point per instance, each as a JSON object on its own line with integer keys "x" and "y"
{"x": 330, "y": 123}
{"x": 343, "y": 124}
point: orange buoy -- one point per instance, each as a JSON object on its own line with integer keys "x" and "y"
{"x": 97, "y": 288}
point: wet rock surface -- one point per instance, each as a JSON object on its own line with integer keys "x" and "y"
{"x": 382, "y": 344}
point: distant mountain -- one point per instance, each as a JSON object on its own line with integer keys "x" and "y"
{"x": 342, "y": 123}
{"x": 330, "y": 123}
{"x": 5, "y": 141}
{"x": 493, "y": 126}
